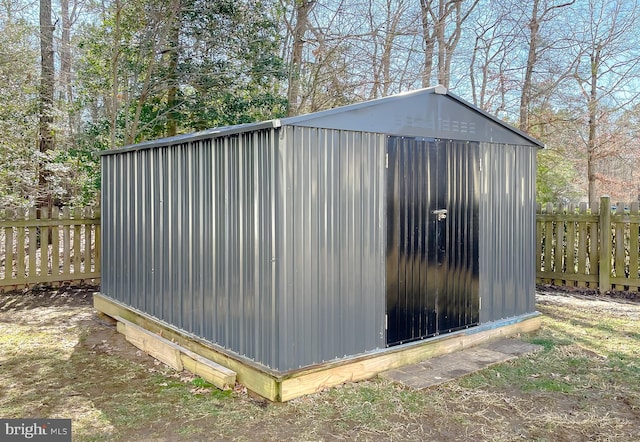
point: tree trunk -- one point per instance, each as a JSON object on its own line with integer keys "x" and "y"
{"x": 525, "y": 97}
{"x": 65, "y": 51}
{"x": 46, "y": 101}
{"x": 429, "y": 42}
{"x": 376, "y": 68}
{"x": 442, "y": 21}
{"x": 67, "y": 17}
{"x": 593, "y": 124}
{"x": 114, "y": 75}
{"x": 392, "y": 22}
{"x": 442, "y": 48}
{"x": 131, "y": 130}
{"x": 538, "y": 17}
{"x": 174, "y": 42}
{"x": 303, "y": 7}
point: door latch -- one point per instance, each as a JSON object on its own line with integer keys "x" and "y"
{"x": 440, "y": 214}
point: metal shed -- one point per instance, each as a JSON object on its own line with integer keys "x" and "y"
{"x": 309, "y": 239}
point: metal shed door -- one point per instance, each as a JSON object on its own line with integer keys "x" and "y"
{"x": 432, "y": 237}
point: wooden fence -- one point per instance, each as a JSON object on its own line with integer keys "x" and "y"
{"x": 594, "y": 247}
{"x": 41, "y": 247}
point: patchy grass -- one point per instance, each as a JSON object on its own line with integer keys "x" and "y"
{"x": 58, "y": 359}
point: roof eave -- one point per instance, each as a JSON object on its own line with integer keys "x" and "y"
{"x": 205, "y": 134}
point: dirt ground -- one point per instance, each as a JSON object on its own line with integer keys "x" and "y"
{"x": 60, "y": 359}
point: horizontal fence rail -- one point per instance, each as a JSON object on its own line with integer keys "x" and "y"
{"x": 595, "y": 247}
{"x": 38, "y": 246}
{"x": 572, "y": 248}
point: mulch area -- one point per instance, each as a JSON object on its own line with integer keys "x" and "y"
{"x": 585, "y": 291}
{"x": 45, "y": 296}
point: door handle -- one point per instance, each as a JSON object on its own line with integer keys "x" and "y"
{"x": 440, "y": 214}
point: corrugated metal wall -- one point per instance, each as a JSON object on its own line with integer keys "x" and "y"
{"x": 331, "y": 258}
{"x": 269, "y": 247}
{"x": 189, "y": 232}
{"x": 507, "y": 230}
{"x": 271, "y": 243}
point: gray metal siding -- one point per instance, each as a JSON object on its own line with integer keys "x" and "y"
{"x": 331, "y": 254}
{"x": 188, "y": 233}
{"x": 507, "y": 231}
{"x": 269, "y": 247}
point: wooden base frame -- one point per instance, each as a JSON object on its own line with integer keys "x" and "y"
{"x": 280, "y": 387}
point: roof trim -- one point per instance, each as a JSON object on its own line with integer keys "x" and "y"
{"x": 205, "y": 134}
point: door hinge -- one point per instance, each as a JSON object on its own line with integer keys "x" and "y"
{"x": 386, "y": 322}
{"x": 386, "y": 161}
{"x": 479, "y": 303}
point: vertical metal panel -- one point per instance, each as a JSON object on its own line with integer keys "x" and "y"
{"x": 330, "y": 255}
{"x": 188, "y": 237}
{"x": 460, "y": 306}
{"x": 411, "y": 290}
{"x": 507, "y": 231}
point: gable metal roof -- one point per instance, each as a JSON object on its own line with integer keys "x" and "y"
{"x": 431, "y": 112}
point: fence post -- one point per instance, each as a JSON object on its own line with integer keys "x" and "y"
{"x": 604, "y": 274}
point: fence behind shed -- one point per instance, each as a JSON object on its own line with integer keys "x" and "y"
{"x": 38, "y": 246}
{"x": 596, "y": 247}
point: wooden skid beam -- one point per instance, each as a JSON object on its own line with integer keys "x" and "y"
{"x": 255, "y": 379}
{"x": 217, "y": 374}
{"x": 154, "y": 345}
{"x": 176, "y": 356}
{"x": 286, "y": 386}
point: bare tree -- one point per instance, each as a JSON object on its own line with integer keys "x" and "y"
{"x": 541, "y": 13}
{"x": 173, "y": 52}
{"x": 115, "y": 62}
{"x": 382, "y": 37}
{"x": 442, "y": 22}
{"x": 69, "y": 14}
{"x": 65, "y": 50}
{"x": 606, "y": 71}
{"x": 302, "y": 10}
{"x": 46, "y": 99}
{"x": 490, "y": 73}
{"x": 330, "y": 68}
